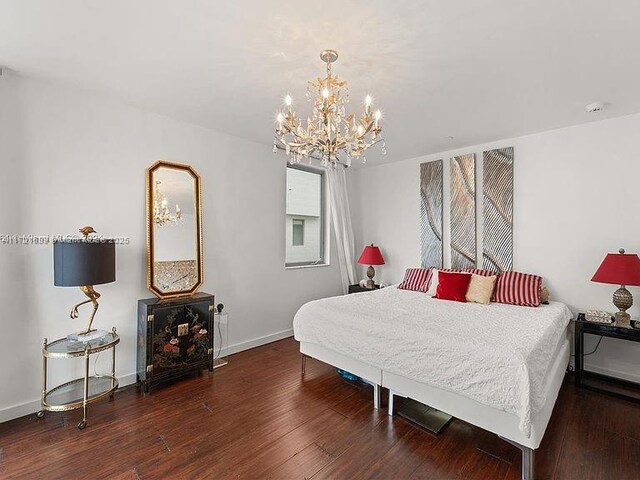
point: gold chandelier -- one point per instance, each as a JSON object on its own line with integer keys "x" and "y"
{"x": 161, "y": 213}
{"x": 329, "y": 134}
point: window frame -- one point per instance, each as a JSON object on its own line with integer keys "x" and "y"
{"x": 324, "y": 226}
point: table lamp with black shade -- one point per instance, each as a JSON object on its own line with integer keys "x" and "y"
{"x": 620, "y": 269}
{"x": 84, "y": 263}
{"x": 371, "y": 255}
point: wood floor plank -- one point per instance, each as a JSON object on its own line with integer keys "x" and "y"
{"x": 258, "y": 417}
{"x": 367, "y": 448}
{"x": 303, "y": 464}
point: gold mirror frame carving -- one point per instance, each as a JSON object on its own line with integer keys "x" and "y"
{"x": 150, "y": 240}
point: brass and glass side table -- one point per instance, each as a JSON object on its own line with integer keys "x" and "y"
{"x": 80, "y": 392}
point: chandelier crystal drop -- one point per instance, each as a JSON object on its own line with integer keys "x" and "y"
{"x": 161, "y": 213}
{"x": 329, "y": 133}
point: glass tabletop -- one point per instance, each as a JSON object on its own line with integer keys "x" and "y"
{"x": 72, "y": 392}
{"x": 65, "y": 347}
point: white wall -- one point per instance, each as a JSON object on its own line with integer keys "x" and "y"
{"x": 71, "y": 158}
{"x": 575, "y": 199}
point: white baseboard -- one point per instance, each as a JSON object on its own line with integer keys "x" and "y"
{"x": 32, "y": 406}
{"x": 256, "y": 342}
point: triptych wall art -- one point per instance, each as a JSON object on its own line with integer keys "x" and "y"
{"x": 431, "y": 213}
{"x": 463, "y": 211}
{"x": 496, "y": 204}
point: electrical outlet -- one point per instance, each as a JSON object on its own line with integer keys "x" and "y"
{"x": 183, "y": 329}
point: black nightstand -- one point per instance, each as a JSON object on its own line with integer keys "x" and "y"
{"x": 595, "y": 381}
{"x": 357, "y": 288}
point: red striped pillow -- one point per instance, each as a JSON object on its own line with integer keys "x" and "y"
{"x": 481, "y": 272}
{"x": 416, "y": 279}
{"x": 517, "y": 288}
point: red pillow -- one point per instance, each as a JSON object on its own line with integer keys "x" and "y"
{"x": 517, "y": 288}
{"x": 453, "y": 286}
{"x": 416, "y": 279}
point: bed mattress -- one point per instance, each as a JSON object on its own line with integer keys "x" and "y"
{"x": 496, "y": 354}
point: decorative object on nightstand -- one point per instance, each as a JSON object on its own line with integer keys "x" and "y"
{"x": 84, "y": 263}
{"x": 371, "y": 256}
{"x": 220, "y": 337}
{"x": 595, "y": 381}
{"x": 620, "y": 269}
{"x": 598, "y": 316}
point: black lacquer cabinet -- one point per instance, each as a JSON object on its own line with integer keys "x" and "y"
{"x": 175, "y": 338}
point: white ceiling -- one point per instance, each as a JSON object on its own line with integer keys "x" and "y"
{"x": 476, "y": 70}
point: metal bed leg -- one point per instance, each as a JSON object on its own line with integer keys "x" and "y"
{"x": 304, "y": 363}
{"x": 376, "y": 396}
{"x": 391, "y": 403}
{"x": 528, "y": 460}
{"x": 528, "y": 471}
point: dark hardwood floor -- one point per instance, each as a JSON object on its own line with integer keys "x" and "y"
{"x": 258, "y": 417}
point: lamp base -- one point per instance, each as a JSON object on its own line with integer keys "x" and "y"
{"x": 623, "y": 319}
{"x": 623, "y": 299}
{"x": 371, "y": 273}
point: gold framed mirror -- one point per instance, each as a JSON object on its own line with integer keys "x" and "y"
{"x": 174, "y": 230}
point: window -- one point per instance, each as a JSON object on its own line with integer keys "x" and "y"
{"x": 298, "y": 232}
{"x": 305, "y": 234}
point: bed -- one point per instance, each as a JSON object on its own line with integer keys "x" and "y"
{"x": 496, "y": 366}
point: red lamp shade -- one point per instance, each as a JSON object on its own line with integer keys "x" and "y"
{"x": 619, "y": 269}
{"x": 371, "y": 256}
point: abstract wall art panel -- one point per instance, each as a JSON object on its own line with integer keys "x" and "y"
{"x": 463, "y": 211}
{"x": 497, "y": 250}
{"x": 431, "y": 213}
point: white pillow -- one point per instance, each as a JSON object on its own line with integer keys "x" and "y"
{"x": 480, "y": 289}
{"x": 433, "y": 286}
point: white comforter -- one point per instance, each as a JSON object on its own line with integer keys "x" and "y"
{"x": 495, "y": 354}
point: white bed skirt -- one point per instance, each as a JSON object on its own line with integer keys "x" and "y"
{"x": 488, "y": 418}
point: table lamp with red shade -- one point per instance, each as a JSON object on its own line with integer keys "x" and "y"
{"x": 620, "y": 269}
{"x": 371, "y": 256}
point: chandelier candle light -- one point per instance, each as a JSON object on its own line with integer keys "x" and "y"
{"x": 161, "y": 213}
{"x": 330, "y": 133}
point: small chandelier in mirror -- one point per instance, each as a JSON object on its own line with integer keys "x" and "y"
{"x": 162, "y": 215}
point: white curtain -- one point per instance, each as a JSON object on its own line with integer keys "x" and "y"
{"x": 341, "y": 219}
